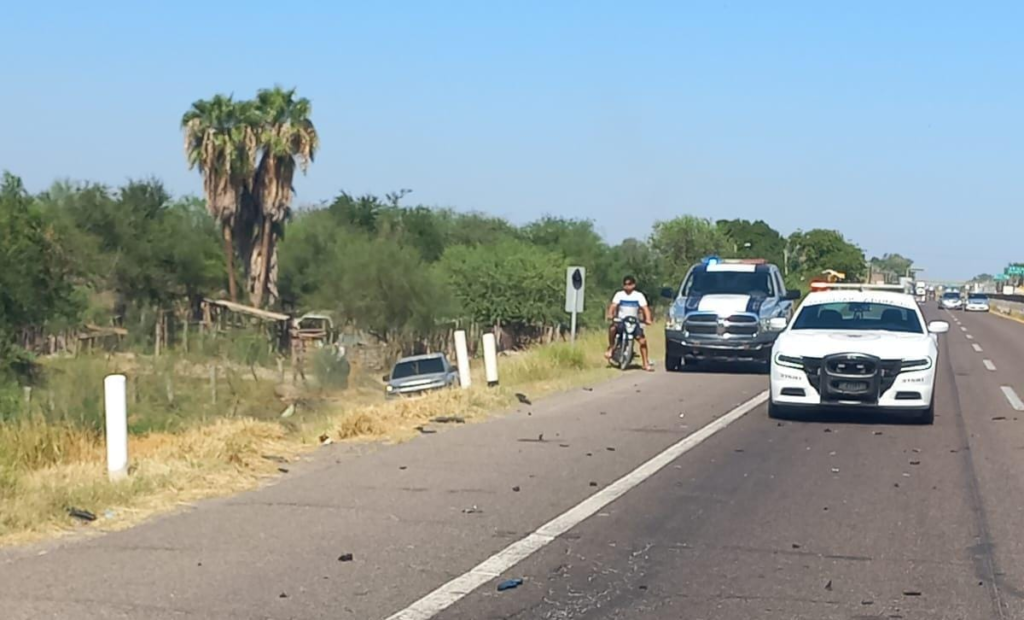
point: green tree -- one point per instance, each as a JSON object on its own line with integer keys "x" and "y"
{"x": 220, "y": 140}
{"x": 753, "y": 240}
{"x": 683, "y": 241}
{"x": 287, "y": 140}
{"x": 816, "y": 250}
{"x": 894, "y": 266}
{"x": 512, "y": 284}
{"x": 35, "y": 282}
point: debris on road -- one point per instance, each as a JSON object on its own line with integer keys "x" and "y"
{"x": 610, "y": 449}
{"x": 867, "y": 602}
{"x": 828, "y": 586}
{"x": 282, "y": 595}
{"x": 877, "y": 433}
{"x": 999, "y": 417}
{"x": 911, "y": 593}
{"x": 738, "y": 450}
{"x": 345, "y": 557}
{"x": 472, "y": 510}
{"x": 593, "y": 484}
{"x": 540, "y": 437}
{"x": 81, "y": 515}
{"x": 563, "y": 445}
{"x": 590, "y": 454}
{"x": 510, "y": 584}
{"x": 523, "y": 398}
{"x": 828, "y": 430}
{"x": 795, "y": 546}
{"x": 283, "y": 470}
{"x": 449, "y": 419}
{"x": 403, "y": 467}
{"x": 835, "y": 470}
{"x": 274, "y": 458}
{"x": 915, "y": 462}
{"x": 426, "y": 430}
{"x": 588, "y": 389}
{"x": 515, "y": 489}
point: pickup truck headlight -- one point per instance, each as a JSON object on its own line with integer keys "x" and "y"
{"x": 915, "y": 365}
{"x": 790, "y": 361}
{"x": 674, "y": 323}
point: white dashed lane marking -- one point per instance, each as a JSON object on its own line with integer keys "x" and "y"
{"x": 977, "y": 347}
{"x": 969, "y": 337}
{"x": 988, "y": 364}
{"x": 1012, "y": 398}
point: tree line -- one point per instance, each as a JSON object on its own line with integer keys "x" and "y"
{"x": 85, "y": 253}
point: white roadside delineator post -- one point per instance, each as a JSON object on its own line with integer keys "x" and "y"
{"x": 116, "y": 402}
{"x": 462, "y": 359}
{"x": 490, "y": 360}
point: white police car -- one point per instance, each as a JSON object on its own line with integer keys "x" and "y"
{"x": 859, "y": 347}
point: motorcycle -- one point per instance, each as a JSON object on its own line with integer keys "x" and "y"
{"x": 622, "y": 353}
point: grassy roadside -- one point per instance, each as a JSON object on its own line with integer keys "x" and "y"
{"x": 48, "y": 465}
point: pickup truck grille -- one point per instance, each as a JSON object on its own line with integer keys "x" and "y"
{"x": 709, "y": 324}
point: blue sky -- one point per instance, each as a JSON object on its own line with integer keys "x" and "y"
{"x": 899, "y": 123}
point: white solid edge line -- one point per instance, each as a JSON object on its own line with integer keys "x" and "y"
{"x": 449, "y": 593}
{"x": 977, "y": 347}
{"x": 988, "y": 364}
{"x": 1012, "y": 398}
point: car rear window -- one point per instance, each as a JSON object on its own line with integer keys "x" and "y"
{"x": 858, "y": 316}
{"x": 411, "y": 368}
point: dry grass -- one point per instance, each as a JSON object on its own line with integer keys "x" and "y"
{"x": 48, "y": 465}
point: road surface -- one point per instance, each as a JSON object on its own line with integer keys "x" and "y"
{"x": 818, "y": 518}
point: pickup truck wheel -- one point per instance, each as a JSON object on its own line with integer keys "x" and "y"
{"x": 673, "y": 363}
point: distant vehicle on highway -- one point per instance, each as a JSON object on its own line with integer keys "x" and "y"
{"x": 951, "y": 300}
{"x": 419, "y": 374}
{"x": 722, "y": 312}
{"x": 863, "y": 348}
{"x": 976, "y": 302}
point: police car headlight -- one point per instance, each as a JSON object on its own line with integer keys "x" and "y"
{"x": 789, "y": 361}
{"x": 916, "y": 365}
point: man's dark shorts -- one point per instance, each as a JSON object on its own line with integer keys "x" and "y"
{"x": 637, "y": 333}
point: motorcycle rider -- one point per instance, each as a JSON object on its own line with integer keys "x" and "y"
{"x": 629, "y": 302}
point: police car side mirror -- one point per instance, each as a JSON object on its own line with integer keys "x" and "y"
{"x": 668, "y": 293}
{"x": 777, "y": 324}
{"x": 938, "y": 327}
{"x": 792, "y": 295}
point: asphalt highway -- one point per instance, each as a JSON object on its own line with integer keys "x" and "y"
{"x": 665, "y": 495}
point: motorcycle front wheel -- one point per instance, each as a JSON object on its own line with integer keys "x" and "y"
{"x": 626, "y": 355}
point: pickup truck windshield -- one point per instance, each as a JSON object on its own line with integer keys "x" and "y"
{"x": 753, "y": 283}
{"x": 858, "y": 316}
{"x": 430, "y": 366}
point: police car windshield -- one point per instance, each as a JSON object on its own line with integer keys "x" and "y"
{"x": 858, "y": 316}
{"x": 977, "y": 297}
{"x": 412, "y": 368}
{"x": 951, "y": 295}
{"x": 702, "y": 282}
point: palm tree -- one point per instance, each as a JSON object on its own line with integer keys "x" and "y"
{"x": 287, "y": 140}
{"x": 220, "y": 140}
